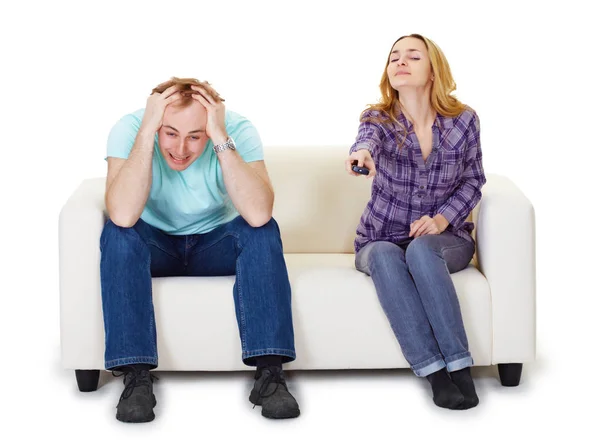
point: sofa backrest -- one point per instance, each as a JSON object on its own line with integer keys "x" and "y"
{"x": 317, "y": 204}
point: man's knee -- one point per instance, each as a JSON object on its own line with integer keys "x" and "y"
{"x": 120, "y": 241}
{"x": 267, "y": 232}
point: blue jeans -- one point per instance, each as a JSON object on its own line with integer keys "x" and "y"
{"x": 413, "y": 283}
{"x": 130, "y": 257}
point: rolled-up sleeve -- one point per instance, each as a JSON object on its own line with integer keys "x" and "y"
{"x": 468, "y": 192}
{"x": 370, "y": 135}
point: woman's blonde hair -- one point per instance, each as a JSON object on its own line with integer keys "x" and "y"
{"x": 185, "y": 86}
{"x": 443, "y": 85}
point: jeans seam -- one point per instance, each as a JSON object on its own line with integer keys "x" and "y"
{"x": 221, "y": 238}
{"x": 428, "y": 361}
{"x": 458, "y": 356}
{"x": 270, "y": 349}
{"x": 284, "y": 351}
{"x": 443, "y": 249}
{"x": 239, "y": 294}
{"x": 153, "y": 243}
{"x": 130, "y": 360}
{"x": 420, "y": 371}
{"x": 467, "y": 361}
{"x": 365, "y": 267}
{"x": 151, "y": 322}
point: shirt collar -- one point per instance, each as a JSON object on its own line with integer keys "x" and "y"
{"x": 444, "y": 122}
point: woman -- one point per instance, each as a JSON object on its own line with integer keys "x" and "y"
{"x": 421, "y": 146}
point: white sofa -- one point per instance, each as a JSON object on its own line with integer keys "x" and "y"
{"x": 338, "y": 321}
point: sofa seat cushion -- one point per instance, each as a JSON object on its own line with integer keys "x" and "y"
{"x": 338, "y": 320}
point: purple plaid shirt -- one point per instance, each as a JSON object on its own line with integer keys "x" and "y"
{"x": 407, "y": 188}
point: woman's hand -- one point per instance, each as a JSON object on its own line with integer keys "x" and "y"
{"x": 428, "y": 226}
{"x": 363, "y": 158}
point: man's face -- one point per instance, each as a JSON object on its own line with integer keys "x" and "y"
{"x": 182, "y": 137}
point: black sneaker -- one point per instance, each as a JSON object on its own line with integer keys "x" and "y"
{"x": 270, "y": 391}
{"x": 137, "y": 400}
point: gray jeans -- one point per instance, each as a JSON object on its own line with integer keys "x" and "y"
{"x": 413, "y": 283}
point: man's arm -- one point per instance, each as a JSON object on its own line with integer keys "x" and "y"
{"x": 248, "y": 186}
{"x": 128, "y": 181}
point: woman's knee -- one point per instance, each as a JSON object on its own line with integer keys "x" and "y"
{"x": 422, "y": 248}
{"x": 379, "y": 253}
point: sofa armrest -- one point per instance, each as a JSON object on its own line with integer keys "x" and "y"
{"x": 81, "y": 222}
{"x": 505, "y": 238}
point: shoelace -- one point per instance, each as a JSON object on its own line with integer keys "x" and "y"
{"x": 274, "y": 376}
{"x": 138, "y": 378}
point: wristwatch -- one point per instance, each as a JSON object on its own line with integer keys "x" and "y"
{"x": 229, "y": 144}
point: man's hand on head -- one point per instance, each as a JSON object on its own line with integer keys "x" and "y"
{"x": 156, "y": 105}
{"x": 215, "y": 122}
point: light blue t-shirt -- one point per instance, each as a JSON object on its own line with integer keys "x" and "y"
{"x": 194, "y": 200}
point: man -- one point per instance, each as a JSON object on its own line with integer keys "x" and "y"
{"x": 188, "y": 194}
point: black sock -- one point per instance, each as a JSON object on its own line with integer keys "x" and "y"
{"x": 464, "y": 382}
{"x": 132, "y": 367}
{"x": 268, "y": 361}
{"x": 139, "y": 367}
{"x": 445, "y": 393}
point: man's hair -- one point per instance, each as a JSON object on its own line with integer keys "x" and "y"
{"x": 185, "y": 86}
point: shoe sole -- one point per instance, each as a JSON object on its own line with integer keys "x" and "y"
{"x": 292, "y": 415}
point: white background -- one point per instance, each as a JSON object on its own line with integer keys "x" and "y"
{"x": 302, "y": 72}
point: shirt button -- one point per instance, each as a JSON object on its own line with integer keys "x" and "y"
{"x": 421, "y": 187}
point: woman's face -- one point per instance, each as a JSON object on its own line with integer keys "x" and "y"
{"x": 409, "y": 64}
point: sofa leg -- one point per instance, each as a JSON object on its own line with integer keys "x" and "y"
{"x": 87, "y": 380}
{"x": 510, "y": 374}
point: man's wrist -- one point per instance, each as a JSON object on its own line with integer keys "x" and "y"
{"x": 220, "y": 138}
{"x": 145, "y": 138}
{"x": 147, "y": 129}
{"x": 227, "y": 145}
